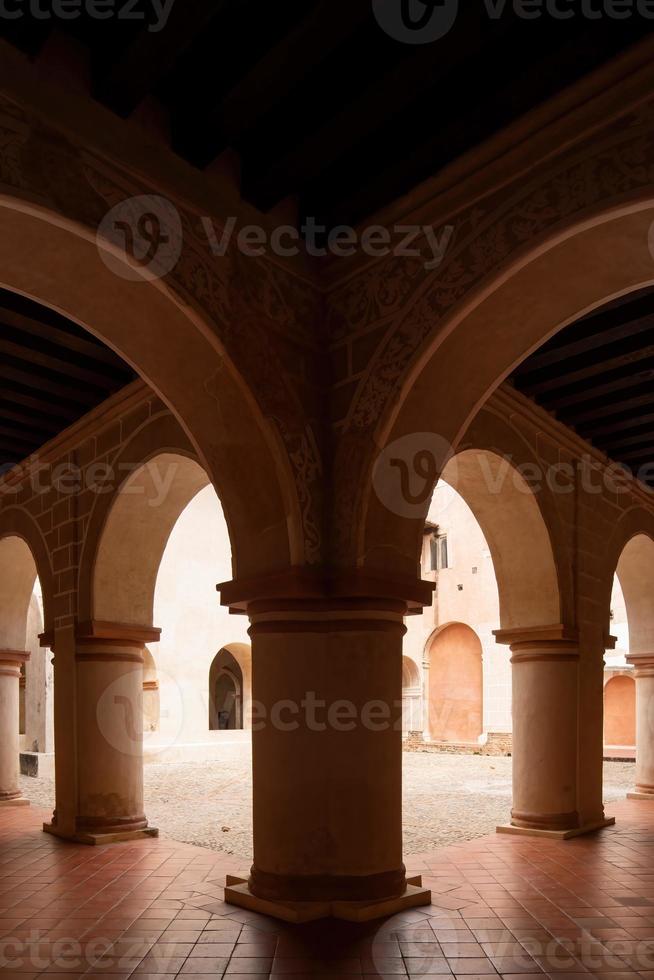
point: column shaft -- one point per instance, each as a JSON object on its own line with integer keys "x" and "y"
{"x": 545, "y": 699}
{"x": 10, "y": 665}
{"x": 549, "y": 795}
{"x": 108, "y": 730}
{"x": 644, "y": 677}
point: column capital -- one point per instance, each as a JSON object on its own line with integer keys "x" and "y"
{"x": 315, "y": 586}
{"x": 643, "y": 664}
{"x": 100, "y": 632}
{"x": 98, "y": 640}
{"x": 556, "y": 643}
{"x": 127, "y": 634}
{"x": 11, "y": 661}
{"x": 546, "y": 635}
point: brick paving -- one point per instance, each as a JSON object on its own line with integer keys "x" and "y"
{"x": 513, "y": 907}
{"x": 446, "y": 798}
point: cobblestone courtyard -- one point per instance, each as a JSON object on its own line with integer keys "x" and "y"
{"x": 446, "y": 798}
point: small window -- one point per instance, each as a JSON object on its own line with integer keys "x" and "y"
{"x": 439, "y": 552}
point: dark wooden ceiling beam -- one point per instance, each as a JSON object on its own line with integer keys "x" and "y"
{"x": 44, "y": 424}
{"x": 31, "y": 398}
{"x": 557, "y": 379}
{"x": 592, "y": 392}
{"x": 282, "y": 68}
{"x": 608, "y": 409}
{"x": 614, "y": 446}
{"x": 85, "y": 346}
{"x": 617, "y": 424}
{"x": 609, "y": 328}
{"x": 271, "y": 175}
{"x": 12, "y": 443}
{"x": 38, "y": 382}
{"x": 124, "y": 83}
{"x": 68, "y": 369}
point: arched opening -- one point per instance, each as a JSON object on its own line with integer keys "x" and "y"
{"x": 225, "y": 693}
{"x": 509, "y": 516}
{"x": 193, "y": 626}
{"x": 22, "y": 608}
{"x": 411, "y": 697}
{"x": 635, "y": 573}
{"x": 620, "y": 712}
{"x": 455, "y": 685}
{"x": 136, "y": 530}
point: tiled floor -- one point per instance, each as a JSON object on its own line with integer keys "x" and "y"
{"x": 501, "y": 905}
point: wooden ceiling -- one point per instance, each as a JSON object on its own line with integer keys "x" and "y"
{"x": 597, "y": 376}
{"x": 317, "y": 100}
{"x": 52, "y": 372}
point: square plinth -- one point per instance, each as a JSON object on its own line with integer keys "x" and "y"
{"x": 588, "y": 828}
{"x": 238, "y": 893}
{"x": 83, "y": 837}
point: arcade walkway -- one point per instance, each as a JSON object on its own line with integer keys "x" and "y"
{"x": 501, "y": 905}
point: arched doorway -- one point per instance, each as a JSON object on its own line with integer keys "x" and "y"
{"x": 455, "y": 685}
{"x": 620, "y": 712}
{"x": 225, "y": 693}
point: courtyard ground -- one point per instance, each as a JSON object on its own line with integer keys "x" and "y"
{"x": 447, "y": 798}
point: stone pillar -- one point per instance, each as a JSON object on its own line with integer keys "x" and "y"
{"x": 10, "y": 664}
{"x": 327, "y": 760}
{"x": 644, "y": 676}
{"x": 108, "y": 743}
{"x": 546, "y": 713}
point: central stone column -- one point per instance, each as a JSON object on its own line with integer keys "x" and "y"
{"x": 10, "y": 665}
{"x": 644, "y": 677}
{"x": 327, "y": 759}
{"x": 545, "y": 684}
{"x": 108, "y": 744}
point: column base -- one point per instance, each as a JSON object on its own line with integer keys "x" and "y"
{"x": 637, "y": 795}
{"x": 588, "y": 828}
{"x": 85, "y": 837}
{"x": 18, "y": 801}
{"x": 238, "y": 893}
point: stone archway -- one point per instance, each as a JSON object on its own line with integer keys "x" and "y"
{"x": 174, "y": 346}
{"x": 455, "y": 685}
{"x": 441, "y": 389}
